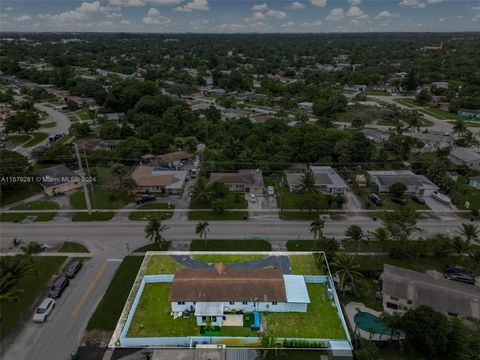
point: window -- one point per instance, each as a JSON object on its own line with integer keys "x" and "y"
{"x": 204, "y": 318}
{"x": 181, "y": 303}
{"x": 409, "y": 302}
{"x": 194, "y": 303}
{"x": 274, "y": 303}
{"x": 392, "y": 306}
{"x": 394, "y": 298}
{"x": 232, "y": 302}
{"x": 245, "y": 303}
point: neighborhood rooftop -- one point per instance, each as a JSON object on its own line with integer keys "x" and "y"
{"x": 56, "y": 175}
{"x": 251, "y": 177}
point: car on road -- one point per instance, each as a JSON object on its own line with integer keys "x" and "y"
{"x": 376, "y": 199}
{"x": 270, "y": 191}
{"x": 252, "y": 198}
{"x": 142, "y": 199}
{"x": 399, "y": 200}
{"x": 457, "y": 269}
{"x": 72, "y": 269}
{"x": 418, "y": 199}
{"x": 43, "y": 310}
{"x": 464, "y": 278}
{"x": 59, "y": 285}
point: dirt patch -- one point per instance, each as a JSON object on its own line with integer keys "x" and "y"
{"x": 97, "y": 338}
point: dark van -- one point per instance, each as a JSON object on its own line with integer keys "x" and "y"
{"x": 376, "y": 199}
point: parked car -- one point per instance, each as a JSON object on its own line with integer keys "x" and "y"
{"x": 464, "y": 278}
{"x": 252, "y": 198}
{"x": 270, "y": 191}
{"x": 142, "y": 199}
{"x": 72, "y": 269}
{"x": 193, "y": 173}
{"x": 59, "y": 285}
{"x": 418, "y": 199}
{"x": 457, "y": 269}
{"x": 43, "y": 310}
{"x": 399, "y": 200}
{"x": 376, "y": 199}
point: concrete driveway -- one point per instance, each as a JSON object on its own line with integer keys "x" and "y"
{"x": 257, "y": 209}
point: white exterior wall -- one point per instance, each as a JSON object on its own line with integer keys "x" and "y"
{"x": 218, "y": 321}
{"x": 249, "y": 307}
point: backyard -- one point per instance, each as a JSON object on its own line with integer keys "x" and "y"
{"x": 321, "y": 321}
{"x": 305, "y": 265}
{"x": 162, "y": 264}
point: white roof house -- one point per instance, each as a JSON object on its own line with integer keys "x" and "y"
{"x": 327, "y": 180}
{"x": 416, "y": 184}
{"x": 465, "y": 156}
{"x": 308, "y": 106}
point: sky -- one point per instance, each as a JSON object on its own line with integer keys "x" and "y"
{"x": 240, "y": 16}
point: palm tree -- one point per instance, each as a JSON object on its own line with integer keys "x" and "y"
{"x": 201, "y": 230}
{"x": 12, "y": 269}
{"x": 413, "y": 121}
{"x": 29, "y": 250}
{"x": 392, "y": 321}
{"x": 345, "y": 267}
{"x": 459, "y": 127}
{"x": 355, "y": 233}
{"x": 469, "y": 232}
{"x": 475, "y": 256}
{"x": 307, "y": 183}
{"x": 118, "y": 170}
{"x": 130, "y": 185}
{"x": 201, "y": 191}
{"x": 460, "y": 247}
{"x": 154, "y": 229}
{"x": 316, "y": 228}
{"x": 381, "y": 235}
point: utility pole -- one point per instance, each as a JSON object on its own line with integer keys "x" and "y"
{"x": 90, "y": 176}
{"x": 84, "y": 185}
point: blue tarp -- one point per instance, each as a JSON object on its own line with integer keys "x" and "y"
{"x": 256, "y": 321}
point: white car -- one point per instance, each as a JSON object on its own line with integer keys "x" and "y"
{"x": 252, "y": 198}
{"x": 270, "y": 191}
{"x": 43, "y": 310}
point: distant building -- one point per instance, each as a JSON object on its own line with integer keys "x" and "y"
{"x": 244, "y": 181}
{"x": 261, "y": 118}
{"x": 416, "y": 184}
{"x": 475, "y": 182}
{"x": 439, "y": 84}
{"x": 158, "y": 180}
{"x": 113, "y": 117}
{"x": 404, "y": 289}
{"x": 326, "y": 180}
{"x": 58, "y": 179}
{"x": 465, "y": 156}
{"x": 307, "y": 106}
{"x": 471, "y": 114}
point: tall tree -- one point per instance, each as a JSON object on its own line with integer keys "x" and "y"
{"x": 400, "y": 223}
{"x": 381, "y": 235}
{"x": 119, "y": 170}
{"x": 202, "y": 229}
{"x": 307, "y": 182}
{"x": 316, "y": 228}
{"x": 470, "y": 232}
{"x": 154, "y": 229}
{"x": 12, "y": 269}
{"x": 355, "y": 233}
{"x": 29, "y": 250}
{"x": 346, "y": 268}
{"x": 201, "y": 192}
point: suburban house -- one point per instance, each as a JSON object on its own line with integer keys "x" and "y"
{"x": 471, "y": 114}
{"x": 58, "y": 180}
{"x": 404, "y": 289}
{"x": 113, "y": 117}
{"x": 416, "y": 184}
{"x": 307, "y": 106}
{"x": 465, "y": 156}
{"x": 244, "y": 181}
{"x": 213, "y": 293}
{"x": 150, "y": 179}
{"x": 174, "y": 160}
{"x": 475, "y": 182}
{"x": 439, "y": 85}
{"x": 326, "y": 180}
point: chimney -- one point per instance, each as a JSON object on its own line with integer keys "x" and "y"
{"x": 220, "y": 268}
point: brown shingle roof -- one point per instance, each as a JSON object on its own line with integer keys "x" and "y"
{"x": 224, "y": 284}
{"x": 144, "y": 176}
{"x": 175, "y": 156}
{"x": 247, "y": 177}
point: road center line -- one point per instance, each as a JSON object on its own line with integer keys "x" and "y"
{"x": 87, "y": 292}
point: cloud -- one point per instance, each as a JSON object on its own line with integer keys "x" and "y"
{"x": 113, "y": 15}
{"x": 260, "y": 7}
{"x": 319, "y": 3}
{"x": 125, "y": 22}
{"x": 22, "y": 18}
{"x": 354, "y": 2}
{"x": 154, "y": 18}
{"x": 336, "y": 14}
{"x": 431, "y": 2}
{"x": 8, "y": 8}
{"x": 279, "y": 15}
{"x": 413, "y": 3}
{"x": 386, "y": 14}
{"x": 256, "y": 17}
{"x": 441, "y": 19}
{"x": 288, "y": 24}
{"x": 356, "y": 12}
{"x": 80, "y": 14}
{"x": 312, "y": 24}
{"x": 195, "y": 5}
{"x": 107, "y": 23}
{"x": 136, "y": 3}
{"x": 296, "y": 5}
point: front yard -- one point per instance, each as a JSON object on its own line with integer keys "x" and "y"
{"x": 34, "y": 205}
{"x": 232, "y": 201}
{"x": 144, "y": 215}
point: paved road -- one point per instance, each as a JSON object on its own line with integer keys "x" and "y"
{"x": 60, "y": 335}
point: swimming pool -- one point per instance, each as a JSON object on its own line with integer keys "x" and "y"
{"x": 367, "y": 321}
{"x": 159, "y": 169}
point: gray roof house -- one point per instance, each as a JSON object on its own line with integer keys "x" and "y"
{"x": 404, "y": 289}
{"x": 245, "y": 181}
{"x": 326, "y": 180}
{"x": 416, "y": 184}
{"x": 465, "y": 156}
{"x": 58, "y": 180}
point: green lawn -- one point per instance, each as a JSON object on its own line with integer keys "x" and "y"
{"x": 48, "y": 125}
{"x": 19, "y": 194}
{"x": 31, "y": 286}
{"x": 38, "y": 137}
{"x": 441, "y": 114}
{"x": 108, "y": 311}
{"x": 407, "y": 102}
{"x": 230, "y": 245}
{"x": 103, "y": 199}
{"x": 377, "y": 93}
{"x": 321, "y": 321}
{"x": 162, "y": 264}
{"x": 232, "y": 201}
{"x": 152, "y": 317}
{"x": 18, "y": 139}
{"x": 154, "y": 247}
{"x": 301, "y": 245}
{"x": 34, "y": 205}
{"x": 468, "y": 123}
{"x": 84, "y": 114}
{"x": 388, "y": 204}
{"x": 227, "y": 259}
{"x": 72, "y": 247}
{"x": 304, "y": 265}
{"x": 144, "y": 215}
{"x": 66, "y": 138}
{"x": 368, "y": 298}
